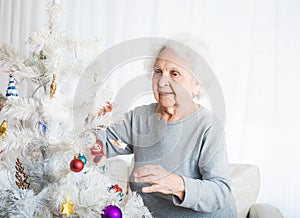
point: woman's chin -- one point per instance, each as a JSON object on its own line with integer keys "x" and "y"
{"x": 166, "y": 103}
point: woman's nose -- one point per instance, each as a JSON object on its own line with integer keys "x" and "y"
{"x": 164, "y": 81}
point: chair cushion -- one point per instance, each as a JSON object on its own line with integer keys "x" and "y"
{"x": 264, "y": 211}
{"x": 245, "y": 180}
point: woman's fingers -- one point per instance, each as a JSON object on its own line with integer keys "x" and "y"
{"x": 156, "y": 188}
{"x": 160, "y": 179}
{"x": 152, "y": 188}
{"x": 149, "y": 174}
{"x": 149, "y": 170}
{"x": 142, "y": 171}
{"x": 147, "y": 179}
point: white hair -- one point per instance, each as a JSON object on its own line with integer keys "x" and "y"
{"x": 187, "y": 47}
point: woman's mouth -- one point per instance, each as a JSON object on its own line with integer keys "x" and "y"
{"x": 165, "y": 93}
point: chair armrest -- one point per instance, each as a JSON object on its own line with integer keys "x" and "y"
{"x": 264, "y": 211}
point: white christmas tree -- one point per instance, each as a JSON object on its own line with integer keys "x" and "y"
{"x": 47, "y": 168}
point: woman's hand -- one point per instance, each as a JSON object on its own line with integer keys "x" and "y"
{"x": 161, "y": 180}
{"x": 106, "y": 109}
{"x": 102, "y": 111}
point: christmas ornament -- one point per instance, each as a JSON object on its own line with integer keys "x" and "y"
{"x": 92, "y": 140}
{"x": 35, "y": 57}
{"x": 82, "y": 157}
{"x": 118, "y": 143}
{"x": 116, "y": 189}
{"x": 111, "y": 211}
{"x": 53, "y": 86}
{"x": 68, "y": 207}
{"x": 97, "y": 150}
{"x": 41, "y": 55}
{"x": 97, "y": 153}
{"x": 76, "y": 165}
{"x": 3, "y": 128}
{"x": 42, "y": 128}
{"x": 11, "y": 92}
{"x": 2, "y": 101}
{"x": 21, "y": 176}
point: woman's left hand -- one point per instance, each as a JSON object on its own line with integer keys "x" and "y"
{"x": 161, "y": 180}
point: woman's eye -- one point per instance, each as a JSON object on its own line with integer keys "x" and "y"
{"x": 157, "y": 71}
{"x": 174, "y": 73}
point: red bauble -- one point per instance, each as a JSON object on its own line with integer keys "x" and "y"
{"x": 76, "y": 165}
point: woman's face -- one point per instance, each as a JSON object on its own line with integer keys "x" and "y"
{"x": 172, "y": 84}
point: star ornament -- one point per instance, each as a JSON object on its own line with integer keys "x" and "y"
{"x": 68, "y": 207}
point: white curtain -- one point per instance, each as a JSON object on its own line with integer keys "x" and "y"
{"x": 255, "y": 48}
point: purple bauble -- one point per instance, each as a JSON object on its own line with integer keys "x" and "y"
{"x": 111, "y": 211}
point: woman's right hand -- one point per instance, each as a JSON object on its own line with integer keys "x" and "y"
{"x": 103, "y": 110}
{"x": 106, "y": 109}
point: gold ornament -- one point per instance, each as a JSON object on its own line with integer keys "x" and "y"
{"x": 68, "y": 207}
{"x": 53, "y": 86}
{"x": 2, "y": 101}
{"x": 3, "y": 128}
{"x": 21, "y": 176}
{"x": 42, "y": 56}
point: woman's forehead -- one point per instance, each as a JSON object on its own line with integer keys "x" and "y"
{"x": 165, "y": 62}
{"x": 171, "y": 58}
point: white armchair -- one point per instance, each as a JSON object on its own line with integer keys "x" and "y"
{"x": 245, "y": 186}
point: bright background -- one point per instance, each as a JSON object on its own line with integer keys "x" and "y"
{"x": 255, "y": 48}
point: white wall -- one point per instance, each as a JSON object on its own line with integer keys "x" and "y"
{"x": 255, "y": 48}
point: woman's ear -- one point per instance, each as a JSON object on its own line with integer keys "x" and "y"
{"x": 196, "y": 87}
{"x": 197, "y": 92}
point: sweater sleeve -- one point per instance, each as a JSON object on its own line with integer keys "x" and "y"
{"x": 212, "y": 191}
{"x": 122, "y": 132}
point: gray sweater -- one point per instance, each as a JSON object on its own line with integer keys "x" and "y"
{"x": 193, "y": 148}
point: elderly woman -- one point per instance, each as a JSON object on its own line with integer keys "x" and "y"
{"x": 180, "y": 160}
